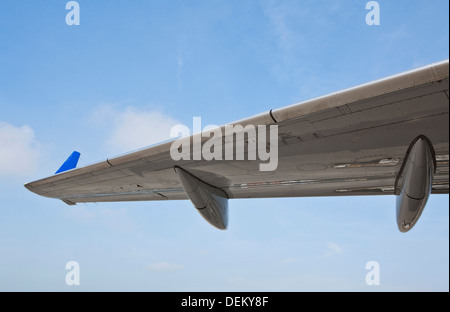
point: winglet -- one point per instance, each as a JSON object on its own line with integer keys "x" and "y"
{"x": 70, "y": 163}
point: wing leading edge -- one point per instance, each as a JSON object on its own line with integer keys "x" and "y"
{"x": 353, "y": 142}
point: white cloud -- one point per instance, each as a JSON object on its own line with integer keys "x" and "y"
{"x": 132, "y": 128}
{"x": 81, "y": 214}
{"x": 163, "y": 266}
{"x": 291, "y": 41}
{"x": 278, "y": 16}
{"x": 289, "y": 261}
{"x": 234, "y": 280}
{"x": 19, "y": 150}
{"x": 115, "y": 219}
{"x": 179, "y": 71}
{"x": 334, "y": 249}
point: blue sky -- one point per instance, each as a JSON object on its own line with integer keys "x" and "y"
{"x": 131, "y": 70}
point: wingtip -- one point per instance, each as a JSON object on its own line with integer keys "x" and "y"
{"x": 70, "y": 163}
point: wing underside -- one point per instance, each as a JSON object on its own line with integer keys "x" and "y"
{"x": 353, "y": 142}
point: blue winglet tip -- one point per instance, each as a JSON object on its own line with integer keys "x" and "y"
{"x": 70, "y": 163}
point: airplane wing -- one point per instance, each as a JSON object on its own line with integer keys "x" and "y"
{"x": 388, "y": 137}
